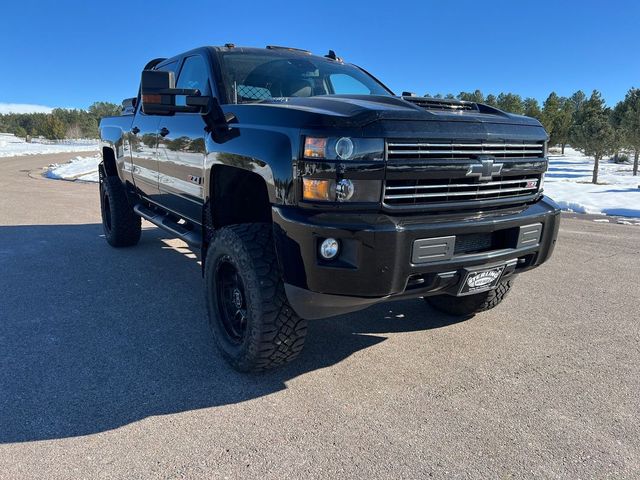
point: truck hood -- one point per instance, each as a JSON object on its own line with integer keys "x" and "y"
{"x": 388, "y": 116}
{"x": 363, "y": 109}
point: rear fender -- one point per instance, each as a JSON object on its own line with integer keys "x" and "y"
{"x": 115, "y": 139}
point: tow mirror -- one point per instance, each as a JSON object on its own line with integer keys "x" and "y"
{"x": 129, "y": 106}
{"x": 160, "y": 97}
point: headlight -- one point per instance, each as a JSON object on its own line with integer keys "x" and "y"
{"x": 344, "y": 149}
{"x": 321, "y": 190}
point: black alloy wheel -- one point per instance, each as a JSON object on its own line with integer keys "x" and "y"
{"x": 232, "y": 306}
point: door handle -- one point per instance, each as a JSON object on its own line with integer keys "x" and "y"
{"x": 135, "y": 130}
{"x": 164, "y": 131}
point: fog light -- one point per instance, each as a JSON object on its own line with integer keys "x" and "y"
{"x": 329, "y": 248}
{"x": 344, "y": 190}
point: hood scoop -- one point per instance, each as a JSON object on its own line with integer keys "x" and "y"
{"x": 442, "y": 104}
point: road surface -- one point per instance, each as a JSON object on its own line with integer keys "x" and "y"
{"x": 107, "y": 369}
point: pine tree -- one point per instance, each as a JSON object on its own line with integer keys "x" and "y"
{"x": 577, "y": 100}
{"x": 557, "y": 117}
{"x": 510, "y": 102}
{"x": 476, "y": 96}
{"x": 630, "y": 124}
{"x": 532, "y": 108}
{"x": 104, "y": 109}
{"x": 619, "y": 131}
{"x": 491, "y": 100}
{"x": 592, "y": 133}
{"x": 53, "y": 128}
{"x": 550, "y": 111}
{"x": 563, "y": 123}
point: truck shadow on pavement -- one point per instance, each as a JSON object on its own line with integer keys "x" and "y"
{"x": 94, "y": 338}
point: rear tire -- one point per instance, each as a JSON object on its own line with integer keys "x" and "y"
{"x": 252, "y": 322}
{"x": 122, "y": 227}
{"x": 471, "y": 304}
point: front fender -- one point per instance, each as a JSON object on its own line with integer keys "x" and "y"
{"x": 269, "y": 154}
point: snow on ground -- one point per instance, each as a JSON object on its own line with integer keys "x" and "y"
{"x": 12, "y": 146}
{"x": 79, "y": 168}
{"x": 568, "y": 182}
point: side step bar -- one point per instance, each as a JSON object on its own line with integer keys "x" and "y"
{"x": 162, "y": 220}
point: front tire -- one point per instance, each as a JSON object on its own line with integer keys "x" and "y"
{"x": 471, "y": 304}
{"x": 122, "y": 227}
{"x": 252, "y": 322}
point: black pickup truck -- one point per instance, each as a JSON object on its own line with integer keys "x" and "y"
{"x": 312, "y": 190}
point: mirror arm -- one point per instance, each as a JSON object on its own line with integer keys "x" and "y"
{"x": 218, "y": 123}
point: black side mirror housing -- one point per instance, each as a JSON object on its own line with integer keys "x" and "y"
{"x": 129, "y": 106}
{"x": 160, "y": 97}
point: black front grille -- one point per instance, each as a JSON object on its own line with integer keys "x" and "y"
{"x": 470, "y": 243}
{"x": 409, "y": 192}
{"x": 461, "y": 151}
{"x": 473, "y": 243}
{"x": 462, "y": 174}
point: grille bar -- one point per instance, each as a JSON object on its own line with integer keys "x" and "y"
{"x": 454, "y": 185}
{"x": 411, "y": 193}
{"x": 463, "y": 152}
{"x": 536, "y": 145}
{"x": 397, "y": 150}
{"x": 461, "y": 194}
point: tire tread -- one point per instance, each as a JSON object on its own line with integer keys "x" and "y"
{"x": 471, "y": 304}
{"x": 282, "y": 332}
{"x": 126, "y": 226}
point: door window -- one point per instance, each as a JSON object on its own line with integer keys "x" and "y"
{"x": 194, "y": 75}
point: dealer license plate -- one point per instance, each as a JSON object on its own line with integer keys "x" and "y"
{"x": 477, "y": 281}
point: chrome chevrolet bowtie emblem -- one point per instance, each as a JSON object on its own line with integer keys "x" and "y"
{"x": 485, "y": 170}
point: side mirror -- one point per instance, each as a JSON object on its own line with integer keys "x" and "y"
{"x": 129, "y": 106}
{"x": 160, "y": 97}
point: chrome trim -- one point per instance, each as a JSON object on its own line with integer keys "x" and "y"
{"x": 461, "y": 185}
{"x": 502, "y": 150}
{"x": 527, "y": 145}
{"x": 524, "y": 190}
{"x": 462, "y": 152}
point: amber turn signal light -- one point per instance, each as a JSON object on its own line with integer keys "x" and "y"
{"x": 152, "y": 98}
{"x": 316, "y": 189}
{"x": 314, "y": 147}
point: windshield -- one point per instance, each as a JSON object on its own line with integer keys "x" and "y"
{"x": 254, "y": 77}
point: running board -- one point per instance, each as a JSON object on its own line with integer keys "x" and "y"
{"x": 162, "y": 220}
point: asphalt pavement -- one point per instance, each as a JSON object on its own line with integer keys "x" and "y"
{"x": 107, "y": 368}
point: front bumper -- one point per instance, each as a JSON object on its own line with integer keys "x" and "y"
{"x": 378, "y": 260}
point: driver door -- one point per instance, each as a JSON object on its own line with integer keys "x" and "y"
{"x": 182, "y": 148}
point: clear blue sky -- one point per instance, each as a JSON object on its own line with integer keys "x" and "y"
{"x": 71, "y": 53}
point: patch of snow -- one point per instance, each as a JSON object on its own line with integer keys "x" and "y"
{"x": 601, "y": 220}
{"x": 12, "y": 146}
{"x": 568, "y": 182}
{"x": 80, "y": 168}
